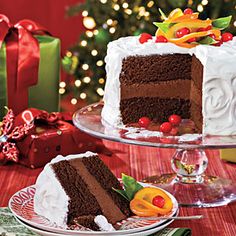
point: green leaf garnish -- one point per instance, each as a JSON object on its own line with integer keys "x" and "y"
{"x": 121, "y": 192}
{"x": 221, "y": 23}
{"x": 164, "y": 26}
{"x": 131, "y": 186}
{"x": 207, "y": 41}
{"x": 163, "y": 15}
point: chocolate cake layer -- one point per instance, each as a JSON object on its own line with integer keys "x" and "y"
{"x": 107, "y": 180}
{"x": 82, "y": 201}
{"x": 109, "y": 209}
{"x": 164, "y": 89}
{"x": 196, "y": 93}
{"x": 157, "y": 109}
{"x": 153, "y": 68}
{"x": 86, "y": 221}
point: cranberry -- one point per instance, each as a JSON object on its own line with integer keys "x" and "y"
{"x": 192, "y": 40}
{"x": 188, "y": 11}
{"x": 144, "y": 37}
{"x": 175, "y": 119}
{"x": 144, "y": 122}
{"x": 209, "y": 27}
{"x": 174, "y": 131}
{"x": 165, "y": 127}
{"x": 182, "y": 32}
{"x": 161, "y": 39}
{"x": 212, "y": 36}
{"x": 158, "y": 201}
{"x": 219, "y": 43}
{"x": 226, "y": 37}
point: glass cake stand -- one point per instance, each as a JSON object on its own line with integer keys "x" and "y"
{"x": 188, "y": 184}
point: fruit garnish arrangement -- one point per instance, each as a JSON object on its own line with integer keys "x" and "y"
{"x": 145, "y": 201}
{"x": 185, "y": 29}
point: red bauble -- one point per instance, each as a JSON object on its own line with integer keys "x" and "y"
{"x": 144, "y": 122}
{"x": 165, "y": 127}
{"x": 161, "y": 39}
{"x": 182, "y": 32}
{"x": 144, "y": 37}
{"x": 175, "y": 119}
{"x": 225, "y": 37}
{"x": 158, "y": 201}
{"x": 188, "y": 11}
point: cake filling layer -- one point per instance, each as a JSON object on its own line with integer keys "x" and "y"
{"x": 157, "y": 109}
{"x": 179, "y": 89}
{"x": 109, "y": 209}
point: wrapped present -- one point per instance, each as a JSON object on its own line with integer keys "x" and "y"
{"x": 228, "y": 154}
{"x": 34, "y": 137}
{"x": 29, "y": 67}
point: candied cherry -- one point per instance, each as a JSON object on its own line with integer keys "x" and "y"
{"x": 161, "y": 39}
{"x": 175, "y": 119}
{"x": 209, "y": 27}
{"x": 144, "y": 37}
{"x": 165, "y": 127}
{"x": 192, "y": 40}
{"x": 219, "y": 43}
{"x": 188, "y": 11}
{"x": 182, "y": 32}
{"x": 144, "y": 122}
{"x": 226, "y": 37}
{"x": 158, "y": 201}
{"x": 212, "y": 36}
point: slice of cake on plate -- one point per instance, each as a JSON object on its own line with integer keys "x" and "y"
{"x": 78, "y": 189}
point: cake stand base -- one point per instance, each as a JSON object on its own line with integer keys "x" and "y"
{"x": 209, "y": 191}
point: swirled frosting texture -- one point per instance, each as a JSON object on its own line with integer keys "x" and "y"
{"x": 219, "y": 92}
{"x": 50, "y": 200}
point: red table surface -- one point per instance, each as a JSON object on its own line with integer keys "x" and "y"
{"x": 141, "y": 162}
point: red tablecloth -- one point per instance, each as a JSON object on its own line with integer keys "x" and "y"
{"x": 141, "y": 162}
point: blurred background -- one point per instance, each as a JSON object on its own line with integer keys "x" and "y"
{"x": 85, "y": 27}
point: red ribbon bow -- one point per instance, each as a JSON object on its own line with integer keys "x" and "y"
{"x": 22, "y": 58}
{"x": 11, "y": 134}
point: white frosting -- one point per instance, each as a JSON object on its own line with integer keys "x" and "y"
{"x": 219, "y": 90}
{"x": 50, "y": 199}
{"x": 103, "y": 224}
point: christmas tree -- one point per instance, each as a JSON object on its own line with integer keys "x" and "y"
{"x": 107, "y": 20}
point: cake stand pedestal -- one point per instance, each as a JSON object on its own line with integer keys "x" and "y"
{"x": 188, "y": 184}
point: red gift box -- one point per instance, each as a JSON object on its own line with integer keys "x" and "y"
{"x": 50, "y": 135}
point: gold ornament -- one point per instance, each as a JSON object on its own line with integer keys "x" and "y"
{"x": 89, "y": 22}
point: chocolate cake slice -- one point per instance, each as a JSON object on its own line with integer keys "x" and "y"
{"x": 78, "y": 186}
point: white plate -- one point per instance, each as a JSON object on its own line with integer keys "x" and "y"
{"x": 22, "y": 206}
{"x": 142, "y": 233}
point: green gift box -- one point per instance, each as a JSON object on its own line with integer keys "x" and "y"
{"x": 25, "y": 81}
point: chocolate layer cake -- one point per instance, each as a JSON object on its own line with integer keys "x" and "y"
{"x": 78, "y": 186}
{"x": 160, "y": 79}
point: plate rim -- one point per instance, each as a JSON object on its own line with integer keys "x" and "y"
{"x": 59, "y": 230}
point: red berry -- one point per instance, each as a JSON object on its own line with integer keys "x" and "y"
{"x": 161, "y": 39}
{"x": 188, "y": 11}
{"x": 209, "y": 27}
{"x": 182, "y": 32}
{"x": 192, "y": 40}
{"x": 158, "y": 201}
{"x": 225, "y": 37}
{"x": 219, "y": 43}
{"x": 144, "y": 37}
{"x": 144, "y": 122}
{"x": 165, "y": 127}
{"x": 174, "y": 131}
{"x": 212, "y": 36}
{"x": 175, "y": 119}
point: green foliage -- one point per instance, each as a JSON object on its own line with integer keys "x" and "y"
{"x": 138, "y": 17}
